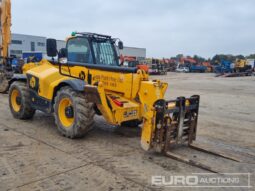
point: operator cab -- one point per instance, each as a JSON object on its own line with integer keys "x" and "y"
{"x": 90, "y": 50}
{"x": 87, "y": 49}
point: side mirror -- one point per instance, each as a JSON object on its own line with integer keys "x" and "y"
{"x": 62, "y": 53}
{"x": 62, "y": 56}
{"x": 120, "y": 45}
{"x": 51, "y": 47}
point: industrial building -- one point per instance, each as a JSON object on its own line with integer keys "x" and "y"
{"x": 28, "y": 43}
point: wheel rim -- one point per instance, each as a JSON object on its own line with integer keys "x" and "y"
{"x": 64, "y": 119}
{"x": 15, "y": 97}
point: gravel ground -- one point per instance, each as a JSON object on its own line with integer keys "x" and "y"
{"x": 33, "y": 156}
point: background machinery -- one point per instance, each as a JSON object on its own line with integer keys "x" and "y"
{"x": 190, "y": 65}
{"x": 208, "y": 66}
{"x": 11, "y": 67}
{"x": 241, "y": 65}
{"x": 224, "y": 66}
{"x": 130, "y": 61}
{"x": 6, "y": 72}
{"x": 89, "y": 80}
{"x": 156, "y": 66}
{"x": 233, "y": 68}
{"x": 170, "y": 64}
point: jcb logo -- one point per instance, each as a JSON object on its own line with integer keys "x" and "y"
{"x": 132, "y": 113}
{"x": 32, "y": 82}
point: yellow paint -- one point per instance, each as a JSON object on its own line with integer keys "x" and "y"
{"x": 49, "y": 77}
{"x": 65, "y": 121}
{"x": 240, "y": 63}
{"x": 103, "y": 107}
{"x": 149, "y": 93}
{"x": 129, "y": 111}
{"x": 28, "y": 66}
{"x": 171, "y": 105}
{"x": 113, "y": 81}
{"x": 32, "y": 82}
{"x": 134, "y": 90}
{"x": 5, "y": 32}
{"x": 14, "y": 95}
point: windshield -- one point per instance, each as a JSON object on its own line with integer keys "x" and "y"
{"x": 79, "y": 50}
{"x": 105, "y": 53}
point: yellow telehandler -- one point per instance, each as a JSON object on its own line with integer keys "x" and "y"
{"x": 87, "y": 80}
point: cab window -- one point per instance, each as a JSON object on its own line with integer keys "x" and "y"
{"x": 104, "y": 53}
{"x": 79, "y": 50}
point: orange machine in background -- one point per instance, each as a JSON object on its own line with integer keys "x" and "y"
{"x": 208, "y": 65}
{"x": 130, "y": 61}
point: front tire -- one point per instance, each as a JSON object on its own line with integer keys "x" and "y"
{"x": 19, "y": 101}
{"x": 74, "y": 115}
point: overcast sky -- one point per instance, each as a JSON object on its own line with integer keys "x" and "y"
{"x": 164, "y": 27}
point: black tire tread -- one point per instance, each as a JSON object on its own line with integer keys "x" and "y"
{"x": 26, "y": 112}
{"x": 84, "y": 119}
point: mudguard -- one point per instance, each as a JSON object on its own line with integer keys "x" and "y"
{"x": 17, "y": 77}
{"x": 76, "y": 84}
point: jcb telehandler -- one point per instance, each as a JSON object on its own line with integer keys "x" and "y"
{"x": 89, "y": 80}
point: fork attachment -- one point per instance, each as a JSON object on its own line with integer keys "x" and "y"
{"x": 176, "y": 122}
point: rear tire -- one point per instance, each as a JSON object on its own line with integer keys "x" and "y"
{"x": 4, "y": 83}
{"x": 19, "y": 101}
{"x": 81, "y": 119}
